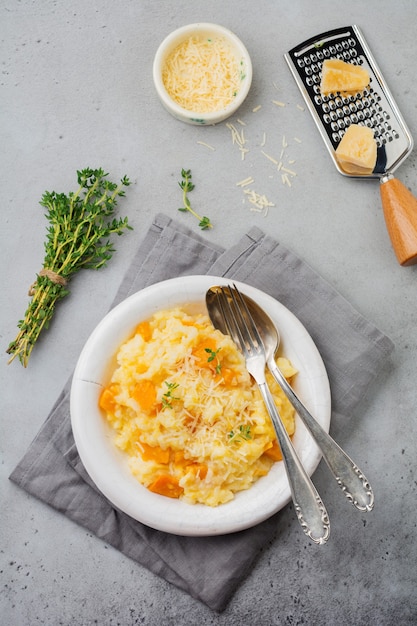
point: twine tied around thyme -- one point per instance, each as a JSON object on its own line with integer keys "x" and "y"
{"x": 53, "y": 277}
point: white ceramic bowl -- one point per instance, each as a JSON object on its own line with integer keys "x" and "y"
{"x": 210, "y": 31}
{"x": 108, "y": 466}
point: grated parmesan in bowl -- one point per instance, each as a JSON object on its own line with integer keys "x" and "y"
{"x": 202, "y": 73}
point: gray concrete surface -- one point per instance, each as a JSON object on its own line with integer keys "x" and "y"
{"x": 76, "y": 90}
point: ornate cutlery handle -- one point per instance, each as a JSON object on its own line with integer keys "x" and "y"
{"x": 308, "y": 505}
{"x": 348, "y": 475}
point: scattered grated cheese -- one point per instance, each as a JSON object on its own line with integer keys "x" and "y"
{"x": 238, "y": 138}
{"x": 269, "y": 157}
{"x": 256, "y": 109}
{"x": 300, "y": 107}
{"x": 246, "y": 181}
{"x": 202, "y": 74}
{"x": 259, "y": 203}
{"x": 287, "y": 171}
{"x": 202, "y": 143}
{"x": 241, "y": 122}
{"x": 279, "y": 104}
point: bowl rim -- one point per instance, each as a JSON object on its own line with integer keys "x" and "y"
{"x": 173, "y": 39}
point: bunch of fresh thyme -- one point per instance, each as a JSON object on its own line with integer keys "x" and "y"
{"x": 78, "y": 237}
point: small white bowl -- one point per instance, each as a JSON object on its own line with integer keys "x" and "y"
{"x": 211, "y": 31}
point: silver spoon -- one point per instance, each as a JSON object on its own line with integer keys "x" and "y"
{"x": 348, "y": 475}
{"x": 227, "y": 304}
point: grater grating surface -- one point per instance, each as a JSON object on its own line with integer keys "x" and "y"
{"x": 374, "y": 107}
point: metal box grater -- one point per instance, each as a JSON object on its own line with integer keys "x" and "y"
{"x": 374, "y": 107}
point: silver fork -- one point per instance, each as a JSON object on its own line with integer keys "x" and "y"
{"x": 310, "y": 510}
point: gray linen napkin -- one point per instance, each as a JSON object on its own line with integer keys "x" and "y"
{"x": 208, "y": 568}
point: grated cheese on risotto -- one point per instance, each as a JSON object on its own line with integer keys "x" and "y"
{"x": 188, "y": 414}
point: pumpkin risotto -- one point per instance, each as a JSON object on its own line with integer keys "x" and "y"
{"x": 188, "y": 414}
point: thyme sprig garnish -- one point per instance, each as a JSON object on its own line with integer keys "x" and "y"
{"x": 213, "y": 355}
{"x": 187, "y": 185}
{"x": 80, "y": 227}
{"x": 167, "y": 396}
{"x": 243, "y": 433}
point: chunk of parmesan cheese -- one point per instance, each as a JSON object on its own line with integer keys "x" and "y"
{"x": 202, "y": 74}
{"x": 340, "y": 76}
{"x": 357, "y": 152}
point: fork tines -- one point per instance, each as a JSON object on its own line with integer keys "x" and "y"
{"x": 238, "y": 319}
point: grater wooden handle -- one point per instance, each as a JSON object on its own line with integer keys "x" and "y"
{"x": 400, "y": 211}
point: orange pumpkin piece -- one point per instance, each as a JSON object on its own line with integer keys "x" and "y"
{"x": 274, "y": 452}
{"x": 144, "y": 393}
{"x": 202, "y": 352}
{"x": 228, "y": 376}
{"x": 107, "y": 401}
{"x": 198, "y": 469}
{"x": 179, "y": 460}
{"x": 154, "y": 453}
{"x": 144, "y": 330}
{"x": 188, "y": 323}
{"x": 166, "y": 485}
